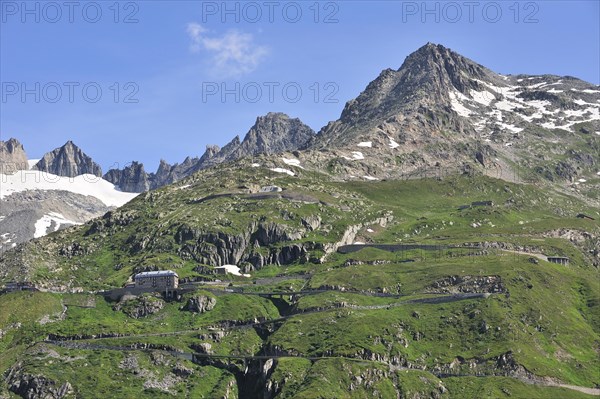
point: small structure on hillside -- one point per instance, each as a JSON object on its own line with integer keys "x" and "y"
{"x": 13, "y": 286}
{"x": 561, "y": 260}
{"x": 584, "y": 216}
{"x": 270, "y": 189}
{"x": 158, "y": 280}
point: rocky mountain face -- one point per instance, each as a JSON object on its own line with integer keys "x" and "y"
{"x": 133, "y": 178}
{"x": 167, "y": 174}
{"x": 68, "y": 160}
{"x": 12, "y": 157}
{"x": 271, "y": 134}
{"x": 406, "y": 96}
{"x": 35, "y": 213}
{"x": 33, "y": 204}
{"x": 442, "y": 111}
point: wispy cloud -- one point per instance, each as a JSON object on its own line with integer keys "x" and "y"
{"x": 233, "y": 54}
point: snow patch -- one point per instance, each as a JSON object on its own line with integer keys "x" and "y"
{"x": 457, "y": 106}
{"x": 582, "y": 102}
{"x": 92, "y": 185}
{"x": 42, "y": 225}
{"x": 482, "y": 97}
{"x": 255, "y": 165}
{"x": 292, "y": 162}
{"x": 505, "y": 105}
{"x": 365, "y": 144}
{"x": 393, "y": 144}
{"x": 551, "y": 125}
{"x": 282, "y": 170}
{"x": 232, "y": 269}
{"x": 537, "y": 85}
{"x": 356, "y": 156}
{"x": 595, "y": 112}
{"x": 370, "y": 178}
{"x": 512, "y": 128}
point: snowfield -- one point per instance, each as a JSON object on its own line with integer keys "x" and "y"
{"x": 25, "y": 180}
{"x": 32, "y": 162}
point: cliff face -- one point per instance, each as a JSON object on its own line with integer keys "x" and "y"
{"x": 132, "y": 179}
{"x": 12, "y": 157}
{"x": 68, "y": 160}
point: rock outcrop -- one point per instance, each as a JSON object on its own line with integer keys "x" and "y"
{"x": 132, "y": 179}
{"x": 201, "y": 303}
{"x": 468, "y": 284}
{"x": 218, "y": 248}
{"x": 68, "y": 160}
{"x": 12, "y": 157}
{"x": 32, "y": 386}
{"x": 139, "y": 307}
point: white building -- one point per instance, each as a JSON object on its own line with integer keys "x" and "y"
{"x": 162, "y": 279}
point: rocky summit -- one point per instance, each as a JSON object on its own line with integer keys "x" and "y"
{"x": 133, "y": 178}
{"x": 69, "y": 161}
{"x": 271, "y": 134}
{"x": 12, "y": 157}
{"x": 441, "y": 239}
{"x": 442, "y": 111}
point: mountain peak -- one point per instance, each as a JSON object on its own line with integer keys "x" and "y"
{"x": 12, "y": 156}
{"x": 273, "y": 133}
{"x": 133, "y": 178}
{"x": 68, "y": 160}
{"x": 274, "y": 115}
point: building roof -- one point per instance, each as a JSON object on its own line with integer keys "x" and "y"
{"x": 158, "y": 273}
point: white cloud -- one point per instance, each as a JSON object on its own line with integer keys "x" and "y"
{"x": 234, "y": 53}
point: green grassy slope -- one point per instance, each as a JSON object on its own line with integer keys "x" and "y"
{"x": 369, "y": 323}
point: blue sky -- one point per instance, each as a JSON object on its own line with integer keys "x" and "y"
{"x": 154, "y": 79}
